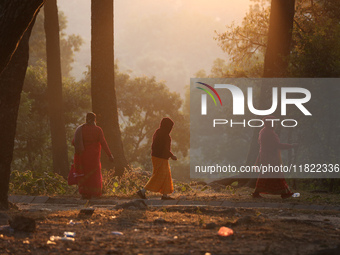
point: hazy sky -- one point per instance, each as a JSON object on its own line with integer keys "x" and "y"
{"x": 166, "y": 39}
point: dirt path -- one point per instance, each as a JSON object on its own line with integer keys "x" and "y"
{"x": 172, "y": 230}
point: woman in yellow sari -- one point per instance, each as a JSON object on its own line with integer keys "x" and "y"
{"x": 161, "y": 180}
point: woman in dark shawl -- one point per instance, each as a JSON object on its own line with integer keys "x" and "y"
{"x": 270, "y": 154}
{"x": 161, "y": 180}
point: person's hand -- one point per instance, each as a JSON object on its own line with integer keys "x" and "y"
{"x": 111, "y": 158}
{"x": 173, "y": 157}
{"x": 294, "y": 145}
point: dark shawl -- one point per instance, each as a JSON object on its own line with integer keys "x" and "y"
{"x": 161, "y": 141}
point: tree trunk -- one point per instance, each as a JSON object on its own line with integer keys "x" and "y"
{"x": 11, "y": 83}
{"x": 275, "y": 65}
{"x": 54, "y": 88}
{"x": 16, "y": 16}
{"x": 279, "y": 38}
{"x": 275, "y": 62}
{"x": 103, "y": 92}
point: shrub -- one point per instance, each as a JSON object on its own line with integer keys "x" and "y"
{"x": 29, "y": 183}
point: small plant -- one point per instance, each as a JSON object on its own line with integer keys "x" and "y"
{"x": 183, "y": 187}
{"x": 29, "y": 183}
{"x": 205, "y": 188}
{"x": 201, "y": 221}
{"x": 128, "y": 184}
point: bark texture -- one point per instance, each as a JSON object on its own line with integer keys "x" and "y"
{"x": 275, "y": 66}
{"x": 15, "y": 17}
{"x": 103, "y": 92}
{"x": 11, "y": 83}
{"x": 54, "y": 88}
{"x": 276, "y": 58}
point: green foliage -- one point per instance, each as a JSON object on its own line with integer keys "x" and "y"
{"x": 315, "y": 47}
{"x": 221, "y": 69}
{"x": 132, "y": 181}
{"x": 245, "y": 44}
{"x": 332, "y": 185}
{"x": 242, "y": 42}
{"x": 127, "y": 185}
{"x": 316, "y": 51}
{"x": 142, "y": 103}
{"x": 33, "y": 140}
{"x": 27, "y": 183}
{"x": 31, "y": 149}
{"x": 68, "y": 44}
{"x": 183, "y": 187}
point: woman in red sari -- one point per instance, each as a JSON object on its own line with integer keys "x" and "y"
{"x": 88, "y": 140}
{"x": 270, "y": 154}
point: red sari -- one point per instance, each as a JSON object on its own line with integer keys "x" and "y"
{"x": 87, "y": 162}
{"x": 270, "y": 154}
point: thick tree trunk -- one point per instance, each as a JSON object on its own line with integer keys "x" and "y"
{"x": 279, "y": 38}
{"x": 11, "y": 83}
{"x": 103, "y": 92}
{"x": 16, "y": 15}
{"x": 275, "y": 65}
{"x": 54, "y": 87}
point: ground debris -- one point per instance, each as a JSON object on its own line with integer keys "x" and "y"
{"x": 217, "y": 187}
{"x": 114, "y": 251}
{"x": 160, "y": 221}
{"x": 86, "y": 211}
{"x": 224, "y": 231}
{"x": 135, "y": 204}
{"x": 299, "y": 221}
{"x": 247, "y": 220}
{"x": 210, "y": 225}
{"x": 22, "y": 223}
{"x": 186, "y": 232}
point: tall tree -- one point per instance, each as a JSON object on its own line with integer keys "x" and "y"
{"x": 103, "y": 92}
{"x": 279, "y": 38}
{"x": 54, "y": 85}
{"x": 275, "y": 62}
{"x": 16, "y": 15}
{"x": 275, "y": 65}
{"x": 11, "y": 83}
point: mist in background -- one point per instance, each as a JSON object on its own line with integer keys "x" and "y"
{"x": 168, "y": 39}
